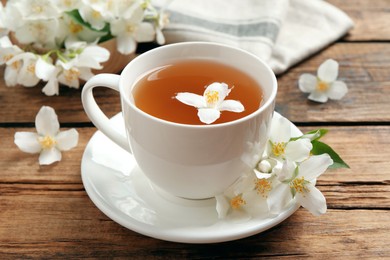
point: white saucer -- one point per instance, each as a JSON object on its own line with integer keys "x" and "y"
{"x": 119, "y": 189}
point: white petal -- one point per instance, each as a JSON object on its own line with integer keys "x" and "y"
{"x": 191, "y": 99}
{"x": 256, "y": 204}
{"x": 49, "y": 156}
{"x": 337, "y": 90}
{"x": 100, "y": 54}
{"x": 328, "y": 71}
{"x": 51, "y": 88}
{"x": 126, "y": 44}
{"x": 92, "y": 56}
{"x": 298, "y": 150}
{"x": 318, "y": 97}
{"x": 134, "y": 15}
{"x": 46, "y": 122}
{"x": 314, "y": 200}
{"x": 232, "y": 106}
{"x": 307, "y": 83}
{"x": 11, "y": 76}
{"x": 145, "y": 33}
{"x": 68, "y": 79}
{"x": 27, "y": 75}
{"x": 5, "y": 42}
{"x": 44, "y": 70}
{"x": 67, "y": 140}
{"x": 27, "y": 142}
{"x": 279, "y": 197}
{"x": 222, "y": 206}
{"x": 208, "y": 115}
{"x": 87, "y": 13}
{"x": 314, "y": 166}
{"x": 85, "y": 73}
{"x": 280, "y": 130}
{"x": 221, "y": 88}
{"x": 287, "y": 171}
{"x": 160, "y": 37}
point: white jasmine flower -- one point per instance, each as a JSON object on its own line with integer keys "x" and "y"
{"x": 94, "y": 16}
{"x": 48, "y": 141}
{"x": 37, "y": 9}
{"x": 71, "y": 31}
{"x": 67, "y": 5}
{"x": 26, "y": 75}
{"x": 280, "y": 146}
{"x": 71, "y": 73}
{"x": 84, "y": 55}
{"x": 299, "y": 182}
{"x": 130, "y": 29}
{"x": 325, "y": 85}
{"x": 11, "y": 16}
{"x": 123, "y": 8}
{"x": 41, "y": 33}
{"x": 212, "y": 102}
{"x": 245, "y": 199}
{"x": 7, "y": 53}
{"x": 46, "y": 71}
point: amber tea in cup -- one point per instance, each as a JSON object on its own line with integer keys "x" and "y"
{"x": 182, "y": 156}
{"x": 154, "y": 91}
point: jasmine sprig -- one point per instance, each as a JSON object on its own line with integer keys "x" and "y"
{"x": 322, "y": 148}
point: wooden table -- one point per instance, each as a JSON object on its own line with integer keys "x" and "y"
{"x": 46, "y": 213}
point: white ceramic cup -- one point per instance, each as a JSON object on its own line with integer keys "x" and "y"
{"x": 188, "y": 161}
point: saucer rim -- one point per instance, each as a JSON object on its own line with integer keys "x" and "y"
{"x": 174, "y": 235}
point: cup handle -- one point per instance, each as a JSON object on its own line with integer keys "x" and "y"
{"x": 95, "y": 114}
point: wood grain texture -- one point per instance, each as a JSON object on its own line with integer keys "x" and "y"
{"x": 370, "y": 18}
{"x": 46, "y": 214}
{"x": 363, "y": 66}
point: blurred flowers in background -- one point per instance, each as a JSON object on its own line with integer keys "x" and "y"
{"x": 57, "y": 41}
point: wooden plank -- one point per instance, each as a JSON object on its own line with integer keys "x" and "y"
{"x": 371, "y": 19}
{"x": 20, "y": 167}
{"x": 363, "y": 66}
{"x": 365, "y": 149}
{"x": 52, "y": 226}
{"x": 372, "y": 166}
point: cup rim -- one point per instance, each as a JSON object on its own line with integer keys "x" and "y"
{"x": 263, "y": 107}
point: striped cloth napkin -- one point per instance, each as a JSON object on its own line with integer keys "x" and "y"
{"x": 281, "y": 32}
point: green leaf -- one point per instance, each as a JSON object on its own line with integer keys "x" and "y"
{"x": 321, "y": 148}
{"x": 319, "y": 132}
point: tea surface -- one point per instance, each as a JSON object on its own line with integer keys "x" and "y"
{"x": 154, "y": 92}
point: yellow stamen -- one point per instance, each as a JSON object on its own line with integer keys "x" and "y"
{"x": 212, "y": 96}
{"x": 75, "y": 28}
{"x": 322, "y": 86}
{"x": 130, "y": 28}
{"x": 16, "y": 65}
{"x": 37, "y": 9}
{"x": 262, "y": 187}
{"x": 299, "y": 185}
{"x": 67, "y": 3}
{"x": 237, "y": 202}
{"x": 7, "y": 57}
{"x": 96, "y": 14}
{"x": 71, "y": 75}
{"x": 278, "y": 149}
{"x": 31, "y": 68}
{"x": 46, "y": 142}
